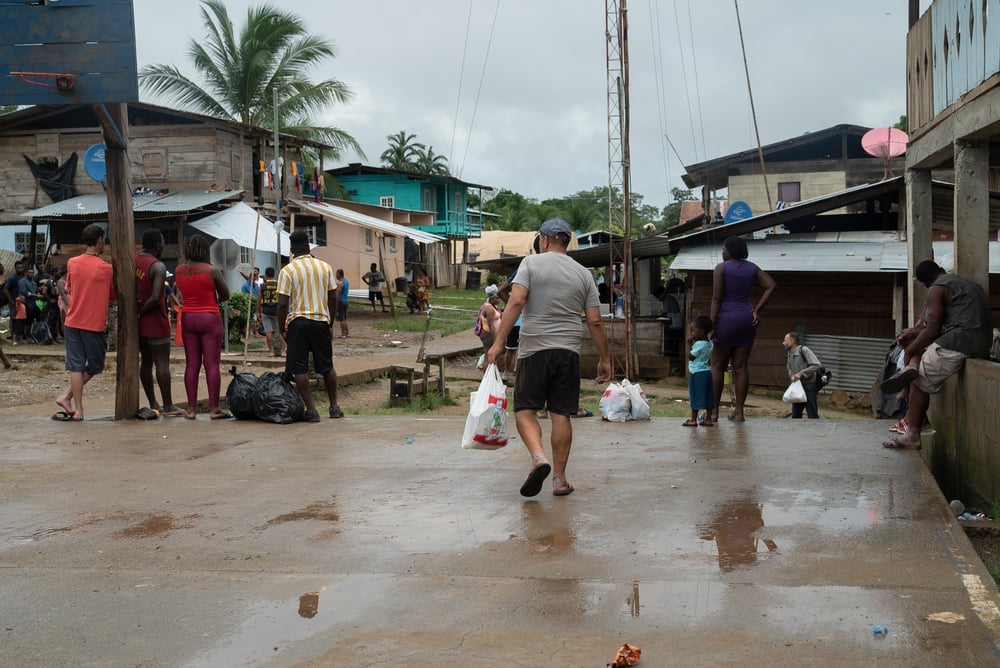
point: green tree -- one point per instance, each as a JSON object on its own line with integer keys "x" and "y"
{"x": 7, "y": 108}
{"x": 242, "y": 72}
{"x": 672, "y": 211}
{"x": 403, "y": 152}
{"x": 901, "y": 124}
{"x": 429, "y": 162}
{"x": 517, "y": 212}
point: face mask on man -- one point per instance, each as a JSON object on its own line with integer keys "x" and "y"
{"x": 787, "y": 348}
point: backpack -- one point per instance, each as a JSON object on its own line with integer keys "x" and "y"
{"x": 823, "y": 377}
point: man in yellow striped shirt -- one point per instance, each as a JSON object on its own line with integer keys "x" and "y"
{"x": 307, "y": 298}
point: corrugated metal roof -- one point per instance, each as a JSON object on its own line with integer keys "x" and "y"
{"x": 894, "y": 255}
{"x": 175, "y": 202}
{"x": 800, "y": 255}
{"x": 360, "y": 219}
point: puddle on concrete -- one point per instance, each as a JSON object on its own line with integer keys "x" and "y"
{"x": 633, "y": 600}
{"x": 309, "y": 605}
{"x": 679, "y": 601}
{"x": 736, "y": 527}
{"x": 851, "y": 509}
{"x": 324, "y": 511}
{"x": 439, "y": 527}
{"x": 157, "y": 525}
{"x": 269, "y": 627}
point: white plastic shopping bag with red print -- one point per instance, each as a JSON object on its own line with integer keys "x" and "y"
{"x": 615, "y": 405}
{"x": 486, "y": 425}
{"x": 625, "y": 401}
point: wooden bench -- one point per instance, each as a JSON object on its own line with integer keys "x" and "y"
{"x": 405, "y": 382}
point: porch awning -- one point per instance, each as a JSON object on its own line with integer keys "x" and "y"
{"x": 361, "y": 220}
{"x": 238, "y": 223}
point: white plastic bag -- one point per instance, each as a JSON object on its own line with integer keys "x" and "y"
{"x": 481, "y": 362}
{"x": 486, "y": 425}
{"x": 795, "y": 394}
{"x": 640, "y": 407}
{"x": 615, "y": 405}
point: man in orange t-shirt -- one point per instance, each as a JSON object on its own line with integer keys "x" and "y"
{"x": 90, "y": 287}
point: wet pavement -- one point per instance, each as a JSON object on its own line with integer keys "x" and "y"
{"x": 773, "y": 542}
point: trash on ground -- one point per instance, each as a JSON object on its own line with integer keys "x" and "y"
{"x": 626, "y": 656}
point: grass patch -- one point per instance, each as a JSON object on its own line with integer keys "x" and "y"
{"x": 428, "y": 402}
{"x": 452, "y": 311}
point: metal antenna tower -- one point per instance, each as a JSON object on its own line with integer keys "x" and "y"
{"x": 620, "y": 339}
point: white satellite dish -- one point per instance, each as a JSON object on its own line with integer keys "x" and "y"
{"x": 224, "y": 253}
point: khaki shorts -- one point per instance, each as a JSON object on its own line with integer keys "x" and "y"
{"x": 936, "y": 366}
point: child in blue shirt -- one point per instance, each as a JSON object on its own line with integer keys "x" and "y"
{"x": 699, "y": 375}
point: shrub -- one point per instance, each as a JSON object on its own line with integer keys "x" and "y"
{"x": 239, "y": 306}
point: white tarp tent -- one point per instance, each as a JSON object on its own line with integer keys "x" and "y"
{"x": 238, "y": 223}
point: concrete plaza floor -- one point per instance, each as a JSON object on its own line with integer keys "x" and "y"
{"x": 199, "y": 543}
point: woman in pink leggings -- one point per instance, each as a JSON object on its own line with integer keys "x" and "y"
{"x": 202, "y": 288}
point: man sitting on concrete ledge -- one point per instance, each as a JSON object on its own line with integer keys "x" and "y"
{"x": 958, "y": 326}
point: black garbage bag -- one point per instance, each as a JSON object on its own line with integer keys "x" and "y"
{"x": 888, "y": 406}
{"x": 275, "y": 399}
{"x": 239, "y": 394}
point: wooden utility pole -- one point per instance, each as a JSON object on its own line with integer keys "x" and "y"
{"x": 121, "y": 236}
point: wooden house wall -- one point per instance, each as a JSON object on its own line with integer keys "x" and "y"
{"x": 818, "y": 177}
{"x": 181, "y": 157}
{"x": 830, "y": 303}
{"x": 750, "y": 188}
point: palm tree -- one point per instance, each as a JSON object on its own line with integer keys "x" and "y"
{"x": 580, "y": 213}
{"x": 429, "y": 162}
{"x": 403, "y": 152}
{"x": 241, "y": 73}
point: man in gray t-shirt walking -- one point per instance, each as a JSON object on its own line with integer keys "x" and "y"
{"x": 556, "y": 295}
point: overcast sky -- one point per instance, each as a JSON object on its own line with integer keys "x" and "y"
{"x": 531, "y": 114}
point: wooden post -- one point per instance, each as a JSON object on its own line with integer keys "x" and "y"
{"x": 381, "y": 264}
{"x": 253, "y": 263}
{"x": 121, "y": 235}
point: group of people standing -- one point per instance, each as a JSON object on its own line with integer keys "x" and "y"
{"x": 304, "y": 298}
{"x": 37, "y": 303}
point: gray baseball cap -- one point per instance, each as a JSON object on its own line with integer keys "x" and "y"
{"x": 554, "y": 226}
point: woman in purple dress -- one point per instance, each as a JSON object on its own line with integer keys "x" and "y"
{"x": 735, "y": 319}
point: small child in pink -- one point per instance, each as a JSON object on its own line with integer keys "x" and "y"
{"x": 20, "y": 320}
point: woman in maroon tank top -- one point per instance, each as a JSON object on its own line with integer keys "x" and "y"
{"x": 202, "y": 289}
{"x": 735, "y": 320}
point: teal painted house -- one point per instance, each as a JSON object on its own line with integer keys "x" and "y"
{"x": 444, "y": 196}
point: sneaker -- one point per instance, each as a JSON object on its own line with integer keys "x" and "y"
{"x": 311, "y": 416}
{"x": 900, "y": 427}
{"x": 335, "y": 413}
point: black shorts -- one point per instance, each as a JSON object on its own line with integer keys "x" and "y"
{"x": 548, "y": 378}
{"x": 305, "y": 336}
{"x": 512, "y": 338}
{"x": 341, "y": 311}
